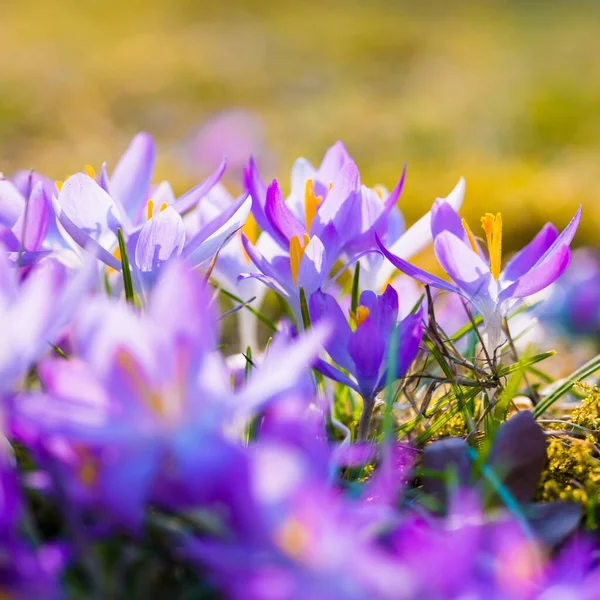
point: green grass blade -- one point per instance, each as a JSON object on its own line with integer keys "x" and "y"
{"x": 586, "y": 370}
{"x": 524, "y": 363}
{"x": 304, "y": 309}
{"x": 125, "y": 269}
{"x": 355, "y": 288}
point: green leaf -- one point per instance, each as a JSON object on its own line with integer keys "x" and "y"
{"x": 390, "y": 377}
{"x": 355, "y": 289}
{"x": 304, "y": 309}
{"x": 248, "y": 365}
{"x": 125, "y": 269}
{"x": 524, "y": 363}
{"x": 586, "y": 370}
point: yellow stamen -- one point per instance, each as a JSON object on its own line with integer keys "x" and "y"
{"x": 362, "y": 312}
{"x": 117, "y": 255}
{"x": 378, "y": 189}
{"x": 296, "y": 253}
{"x": 149, "y": 209}
{"x": 88, "y": 473}
{"x": 360, "y": 316}
{"x": 311, "y": 203}
{"x": 90, "y": 171}
{"x": 469, "y": 235}
{"x": 59, "y": 184}
{"x": 250, "y": 230}
{"x": 88, "y": 470}
{"x": 293, "y": 538}
{"x": 163, "y": 206}
{"x": 492, "y": 225}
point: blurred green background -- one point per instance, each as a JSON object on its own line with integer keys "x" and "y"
{"x": 505, "y": 93}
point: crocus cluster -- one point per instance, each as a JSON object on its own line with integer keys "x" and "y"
{"x": 148, "y": 450}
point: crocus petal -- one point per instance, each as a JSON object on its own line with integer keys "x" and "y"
{"x": 9, "y": 286}
{"x": 283, "y": 277}
{"x": 193, "y": 196}
{"x": 32, "y": 225}
{"x": 565, "y": 237}
{"x": 134, "y": 467}
{"x": 464, "y": 266}
{"x": 445, "y": 218}
{"x": 367, "y": 349}
{"x": 394, "y": 196}
{"x": 12, "y": 203}
{"x": 410, "y": 334}
{"x": 341, "y": 203}
{"x": 106, "y": 186}
{"x": 323, "y": 307}
{"x": 333, "y": 161}
{"x": 182, "y": 287}
{"x": 231, "y": 221}
{"x": 71, "y": 294}
{"x": 131, "y": 178}
{"x": 416, "y": 273}
{"x": 270, "y": 282}
{"x": 161, "y": 238}
{"x": 163, "y": 194}
{"x": 335, "y": 374}
{"x": 311, "y": 273}
{"x": 383, "y": 309}
{"x": 284, "y": 225}
{"x": 302, "y": 171}
{"x": 526, "y": 258}
{"x": 418, "y": 236}
{"x": 89, "y": 216}
{"x": 254, "y": 185}
{"x": 540, "y": 276}
{"x": 282, "y": 370}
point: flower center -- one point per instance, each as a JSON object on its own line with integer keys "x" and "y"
{"x": 492, "y": 225}
{"x": 293, "y": 538}
{"x": 150, "y": 208}
{"x": 360, "y": 316}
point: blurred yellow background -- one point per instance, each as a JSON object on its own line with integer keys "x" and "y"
{"x": 505, "y": 93}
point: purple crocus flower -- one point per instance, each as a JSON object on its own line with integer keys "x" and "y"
{"x": 147, "y": 400}
{"x": 305, "y": 266}
{"x": 364, "y": 352}
{"x": 233, "y": 260}
{"x": 478, "y": 277}
{"x": 91, "y": 215}
{"x": 25, "y": 571}
{"x": 330, "y": 198}
{"x": 300, "y": 535}
{"x": 34, "y": 311}
{"x": 24, "y": 220}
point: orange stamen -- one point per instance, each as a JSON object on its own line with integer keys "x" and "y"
{"x": 492, "y": 225}
{"x": 311, "y": 203}
{"x": 469, "y": 235}
{"x": 297, "y": 249}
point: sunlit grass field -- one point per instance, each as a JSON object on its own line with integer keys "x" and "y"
{"x": 505, "y": 93}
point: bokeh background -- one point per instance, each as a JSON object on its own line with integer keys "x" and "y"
{"x": 505, "y": 93}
